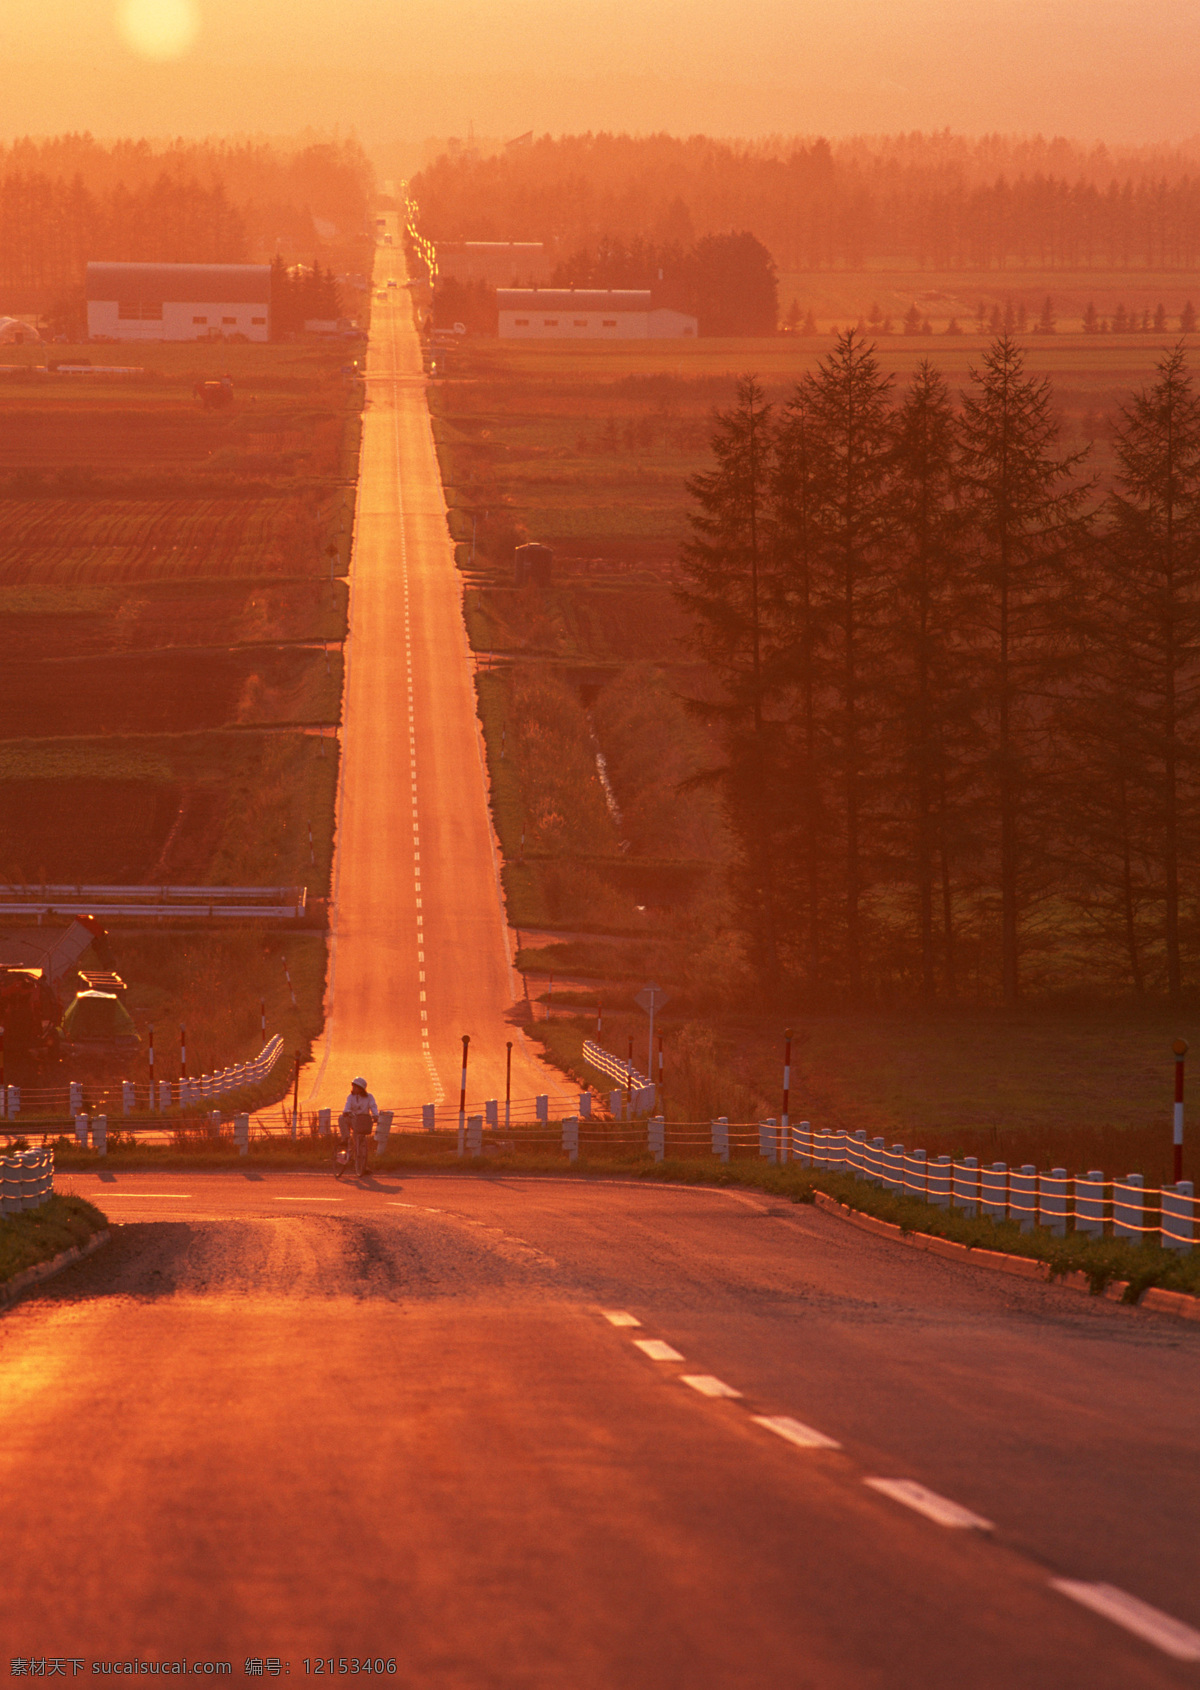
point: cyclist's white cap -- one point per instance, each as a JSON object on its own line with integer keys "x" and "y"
{"x": 359, "y": 1081}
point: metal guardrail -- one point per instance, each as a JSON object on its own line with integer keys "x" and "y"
{"x": 269, "y": 903}
{"x": 129, "y": 1097}
{"x": 26, "y": 1180}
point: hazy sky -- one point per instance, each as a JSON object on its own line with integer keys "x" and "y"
{"x": 390, "y": 68}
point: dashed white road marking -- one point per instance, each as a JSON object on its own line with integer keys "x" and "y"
{"x": 616, "y": 1317}
{"x": 795, "y": 1431}
{"x": 656, "y": 1349}
{"x": 1170, "y": 1635}
{"x": 929, "y": 1503}
{"x": 330, "y": 1199}
{"x": 708, "y": 1386}
{"x": 109, "y": 1194}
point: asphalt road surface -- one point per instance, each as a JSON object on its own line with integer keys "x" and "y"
{"x": 421, "y": 952}
{"x": 280, "y": 1417}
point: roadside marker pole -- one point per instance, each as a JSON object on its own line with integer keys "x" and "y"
{"x": 1180, "y": 1048}
{"x": 787, "y": 1087}
{"x": 629, "y": 1081}
{"x": 296, "y": 1096}
{"x": 662, "y": 1105}
{"x": 150, "y": 1053}
{"x": 262, "y": 1018}
{"x": 462, "y": 1092}
{"x": 599, "y": 1019}
{"x": 182, "y": 1064}
{"x": 507, "y": 1083}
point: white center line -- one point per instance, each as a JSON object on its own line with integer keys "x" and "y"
{"x": 929, "y": 1503}
{"x": 616, "y": 1318}
{"x": 656, "y": 1349}
{"x": 795, "y": 1431}
{"x": 329, "y": 1199}
{"x": 109, "y": 1194}
{"x": 1171, "y": 1636}
{"x": 708, "y": 1386}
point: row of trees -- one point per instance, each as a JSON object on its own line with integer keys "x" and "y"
{"x": 299, "y": 294}
{"x": 958, "y": 692}
{"x": 728, "y": 282}
{"x": 817, "y": 205}
{"x": 69, "y": 199}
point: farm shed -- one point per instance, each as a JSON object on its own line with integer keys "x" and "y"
{"x": 587, "y": 314}
{"x": 178, "y": 301}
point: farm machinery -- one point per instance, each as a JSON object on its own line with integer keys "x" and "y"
{"x": 39, "y": 969}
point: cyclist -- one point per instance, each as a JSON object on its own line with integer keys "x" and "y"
{"x": 360, "y": 1117}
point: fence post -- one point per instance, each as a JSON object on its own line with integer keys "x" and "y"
{"x": 1128, "y": 1209}
{"x": 1178, "y": 1215}
{"x": 1052, "y": 1202}
{"x": 128, "y": 1098}
{"x": 14, "y": 1102}
{"x": 491, "y": 1112}
{"x": 383, "y": 1130}
{"x": 658, "y": 1137}
{"x": 75, "y": 1096}
{"x": 100, "y": 1134}
{"x": 856, "y": 1151}
{"x": 1089, "y": 1203}
{"x": 720, "y": 1137}
{"x": 241, "y": 1132}
{"x": 993, "y": 1191}
{"x": 324, "y": 1122}
{"x": 542, "y": 1108}
{"x": 1022, "y": 1196}
{"x": 82, "y": 1127}
{"x": 570, "y": 1137}
{"x": 616, "y": 1105}
{"x": 585, "y": 1105}
{"x": 475, "y": 1135}
{"x": 766, "y": 1139}
{"x": 427, "y": 1114}
{"x": 915, "y": 1178}
{"x": 214, "y": 1124}
{"x": 964, "y": 1182}
{"x": 940, "y": 1175}
{"x": 164, "y": 1094}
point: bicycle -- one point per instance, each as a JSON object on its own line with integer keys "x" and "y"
{"x": 352, "y": 1149}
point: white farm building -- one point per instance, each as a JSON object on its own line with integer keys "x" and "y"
{"x": 178, "y": 301}
{"x": 587, "y": 314}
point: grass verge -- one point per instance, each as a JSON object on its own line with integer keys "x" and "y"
{"x": 38, "y": 1235}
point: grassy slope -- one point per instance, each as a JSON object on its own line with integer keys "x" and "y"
{"x": 40, "y": 1234}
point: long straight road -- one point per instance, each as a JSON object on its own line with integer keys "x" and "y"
{"x": 420, "y": 952}
{"x": 278, "y": 1417}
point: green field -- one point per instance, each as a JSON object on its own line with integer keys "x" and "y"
{"x": 172, "y": 620}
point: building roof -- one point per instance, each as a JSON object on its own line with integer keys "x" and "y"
{"x": 193, "y": 284}
{"x": 573, "y": 299}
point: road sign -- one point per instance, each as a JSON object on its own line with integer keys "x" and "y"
{"x": 651, "y": 999}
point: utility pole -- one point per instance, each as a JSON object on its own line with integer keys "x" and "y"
{"x": 1180, "y": 1048}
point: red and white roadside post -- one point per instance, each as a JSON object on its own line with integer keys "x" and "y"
{"x": 599, "y": 1021}
{"x": 507, "y": 1084}
{"x": 1180, "y": 1048}
{"x": 784, "y": 1128}
{"x": 150, "y": 1059}
{"x": 462, "y": 1090}
{"x": 182, "y": 1064}
{"x": 662, "y": 1106}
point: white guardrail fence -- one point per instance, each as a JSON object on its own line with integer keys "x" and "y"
{"x": 26, "y": 1180}
{"x": 130, "y": 1097}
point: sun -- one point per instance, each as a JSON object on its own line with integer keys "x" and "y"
{"x": 158, "y": 29}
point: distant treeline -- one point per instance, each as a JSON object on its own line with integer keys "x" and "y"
{"x": 71, "y": 199}
{"x": 958, "y": 690}
{"x": 936, "y": 201}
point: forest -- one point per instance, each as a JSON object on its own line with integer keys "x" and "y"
{"x": 70, "y": 199}
{"x": 956, "y": 683}
{"x": 934, "y": 201}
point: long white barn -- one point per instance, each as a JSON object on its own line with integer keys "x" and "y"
{"x": 179, "y": 301}
{"x": 587, "y": 314}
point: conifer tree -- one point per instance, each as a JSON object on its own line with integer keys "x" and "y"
{"x": 1024, "y": 505}
{"x": 848, "y": 404}
{"x": 727, "y": 563}
{"x": 1150, "y": 623}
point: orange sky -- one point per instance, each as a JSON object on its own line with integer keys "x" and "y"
{"x": 392, "y": 68}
